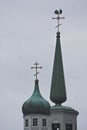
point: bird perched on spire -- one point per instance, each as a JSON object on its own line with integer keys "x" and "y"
{"x": 58, "y": 12}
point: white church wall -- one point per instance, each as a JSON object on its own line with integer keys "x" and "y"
{"x": 39, "y": 125}
{"x": 64, "y": 118}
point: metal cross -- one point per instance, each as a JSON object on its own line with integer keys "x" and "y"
{"x": 36, "y": 67}
{"x": 58, "y": 18}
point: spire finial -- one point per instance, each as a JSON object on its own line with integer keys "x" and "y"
{"x": 36, "y": 67}
{"x": 58, "y": 18}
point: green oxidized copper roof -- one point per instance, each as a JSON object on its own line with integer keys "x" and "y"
{"x": 36, "y": 104}
{"x": 58, "y": 90}
{"x": 64, "y": 108}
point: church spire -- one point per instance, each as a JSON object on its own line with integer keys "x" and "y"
{"x": 58, "y": 90}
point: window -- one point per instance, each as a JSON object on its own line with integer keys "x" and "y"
{"x": 44, "y": 123}
{"x": 35, "y": 122}
{"x": 68, "y": 126}
{"x": 26, "y": 123}
{"x": 55, "y": 126}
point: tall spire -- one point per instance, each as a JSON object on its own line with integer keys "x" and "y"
{"x": 58, "y": 90}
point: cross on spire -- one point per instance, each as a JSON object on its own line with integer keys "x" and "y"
{"x": 58, "y": 18}
{"x": 36, "y": 67}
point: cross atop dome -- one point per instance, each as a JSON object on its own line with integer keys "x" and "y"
{"x": 36, "y": 67}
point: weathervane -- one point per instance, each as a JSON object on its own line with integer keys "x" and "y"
{"x": 36, "y": 67}
{"x": 58, "y": 17}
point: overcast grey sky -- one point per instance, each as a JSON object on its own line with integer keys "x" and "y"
{"x": 27, "y": 34}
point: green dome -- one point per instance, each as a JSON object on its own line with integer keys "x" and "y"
{"x": 36, "y": 104}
